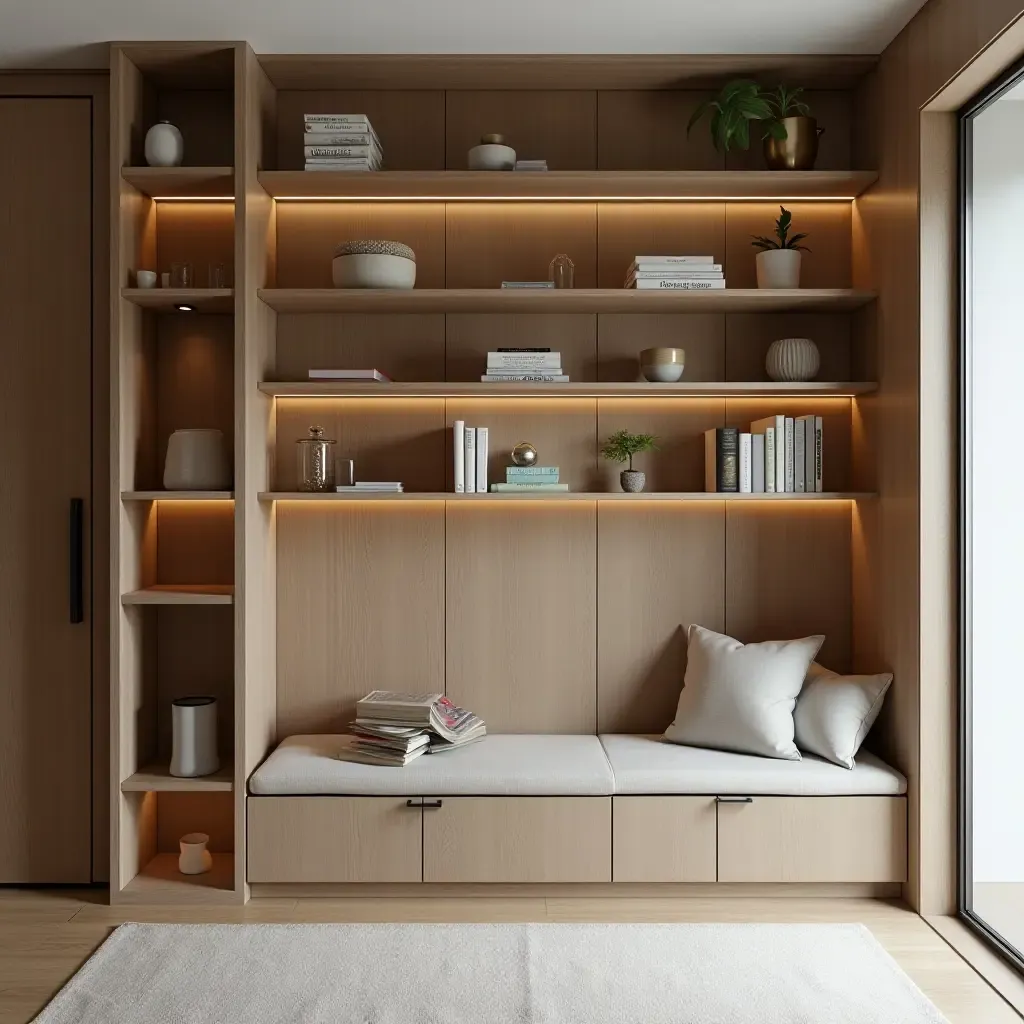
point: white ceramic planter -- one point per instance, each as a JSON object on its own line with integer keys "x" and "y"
{"x": 662, "y": 365}
{"x": 164, "y": 145}
{"x": 778, "y": 268}
{"x": 196, "y": 461}
{"x": 490, "y": 156}
{"x": 194, "y": 858}
{"x": 792, "y": 359}
{"x": 373, "y": 270}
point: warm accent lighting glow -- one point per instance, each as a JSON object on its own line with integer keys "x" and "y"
{"x": 182, "y": 308}
{"x": 193, "y": 199}
{"x": 563, "y": 199}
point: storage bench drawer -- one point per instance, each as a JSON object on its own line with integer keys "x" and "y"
{"x": 517, "y": 839}
{"x": 333, "y": 839}
{"x": 812, "y": 839}
{"x": 664, "y": 839}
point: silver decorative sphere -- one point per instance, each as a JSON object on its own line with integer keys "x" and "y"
{"x": 524, "y": 454}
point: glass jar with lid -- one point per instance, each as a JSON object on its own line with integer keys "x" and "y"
{"x": 316, "y": 461}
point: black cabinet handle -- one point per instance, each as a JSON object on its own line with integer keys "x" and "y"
{"x": 76, "y": 573}
{"x": 735, "y": 799}
{"x": 430, "y": 804}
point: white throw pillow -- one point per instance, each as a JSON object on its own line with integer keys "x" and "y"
{"x": 835, "y": 713}
{"x": 741, "y": 696}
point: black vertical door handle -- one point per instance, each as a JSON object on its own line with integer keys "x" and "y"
{"x": 76, "y": 574}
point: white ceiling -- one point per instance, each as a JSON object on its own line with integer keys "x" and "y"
{"x": 70, "y": 33}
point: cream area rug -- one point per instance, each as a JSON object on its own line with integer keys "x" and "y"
{"x": 477, "y": 973}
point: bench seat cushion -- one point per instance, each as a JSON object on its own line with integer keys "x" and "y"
{"x": 504, "y": 765}
{"x": 648, "y": 764}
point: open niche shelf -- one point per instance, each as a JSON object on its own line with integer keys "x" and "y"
{"x": 181, "y": 593}
{"x": 160, "y": 882}
{"x": 157, "y": 778}
{"x": 177, "y": 183}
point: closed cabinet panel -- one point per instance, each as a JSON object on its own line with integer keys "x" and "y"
{"x": 333, "y": 839}
{"x": 813, "y": 839}
{"x": 664, "y": 839}
{"x": 517, "y": 839}
{"x": 45, "y": 430}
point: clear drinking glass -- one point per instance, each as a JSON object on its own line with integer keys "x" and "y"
{"x": 182, "y": 276}
{"x": 561, "y": 271}
{"x": 217, "y": 276}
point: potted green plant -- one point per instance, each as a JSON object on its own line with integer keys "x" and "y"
{"x": 789, "y": 133}
{"x": 621, "y": 447}
{"x": 778, "y": 262}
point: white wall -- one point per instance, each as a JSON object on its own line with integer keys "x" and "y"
{"x": 998, "y": 492}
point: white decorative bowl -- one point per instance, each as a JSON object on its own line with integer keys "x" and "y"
{"x": 792, "y": 359}
{"x": 490, "y": 156}
{"x": 374, "y": 264}
{"x": 663, "y": 365}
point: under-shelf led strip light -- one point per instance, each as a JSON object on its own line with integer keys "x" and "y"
{"x": 518, "y": 199}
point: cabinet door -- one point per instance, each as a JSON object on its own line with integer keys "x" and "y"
{"x": 45, "y": 452}
{"x": 517, "y": 839}
{"x": 333, "y": 839}
{"x": 813, "y": 839}
{"x": 664, "y": 839}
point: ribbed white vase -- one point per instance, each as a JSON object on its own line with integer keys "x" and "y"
{"x": 792, "y": 359}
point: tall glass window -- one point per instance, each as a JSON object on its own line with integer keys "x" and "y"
{"x": 992, "y": 537}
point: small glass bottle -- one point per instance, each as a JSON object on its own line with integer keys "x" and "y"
{"x": 561, "y": 271}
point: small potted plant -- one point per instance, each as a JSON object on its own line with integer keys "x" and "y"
{"x": 621, "y": 447}
{"x": 778, "y": 262}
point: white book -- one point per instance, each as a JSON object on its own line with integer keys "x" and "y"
{"x": 746, "y": 474}
{"x": 366, "y": 152}
{"x": 639, "y": 260}
{"x": 676, "y": 268}
{"x": 525, "y": 371}
{"x": 818, "y": 452}
{"x": 359, "y": 167}
{"x": 675, "y": 275}
{"x": 774, "y": 476}
{"x": 799, "y": 454}
{"x": 331, "y": 118}
{"x": 459, "y": 455}
{"x": 519, "y": 378}
{"x": 469, "y": 438}
{"x": 789, "y": 457}
{"x": 349, "y": 375}
{"x": 694, "y": 286}
{"x": 757, "y": 463}
{"x": 523, "y": 361}
{"x": 355, "y": 137}
{"x": 481, "y": 459}
{"x": 769, "y": 460}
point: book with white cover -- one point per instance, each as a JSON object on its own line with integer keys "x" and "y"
{"x": 799, "y": 454}
{"x": 367, "y": 152}
{"x": 769, "y": 460}
{"x": 525, "y": 378}
{"x": 639, "y": 260}
{"x": 355, "y": 166}
{"x": 776, "y": 478}
{"x": 675, "y": 275}
{"x": 789, "y": 457}
{"x": 524, "y": 371}
{"x": 663, "y": 283}
{"x": 675, "y": 268}
{"x": 818, "y": 453}
{"x": 481, "y": 459}
{"x": 746, "y": 474}
{"x": 349, "y": 375}
{"x": 757, "y": 463}
{"x": 469, "y": 435}
{"x": 459, "y": 455}
{"x": 523, "y": 361}
{"x": 355, "y": 137}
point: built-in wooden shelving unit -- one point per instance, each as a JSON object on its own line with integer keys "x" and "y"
{"x": 180, "y": 594}
{"x": 157, "y": 778}
{"x": 170, "y": 183}
{"x": 171, "y": 300}
{"x": 348, "y": 496}
{"x": 177, "y": 495}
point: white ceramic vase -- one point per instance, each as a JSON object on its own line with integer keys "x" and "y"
{"x": 792, "y": 359}
{"x": 196, "y": 461}
{"x": 662, "y": 365}
{"x": 164, "y": 145}
{"x": 194, "y": 858}
{"x": 194, "y": 737}
{"x": 492, "y": 155}
{"x": 778, "y": 268}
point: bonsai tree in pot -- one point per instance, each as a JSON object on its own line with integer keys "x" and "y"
{"x": 621, "y": 447}
{"x": 778, "y": 262}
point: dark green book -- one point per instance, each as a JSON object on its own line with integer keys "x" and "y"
{"x": 721, "y": 459}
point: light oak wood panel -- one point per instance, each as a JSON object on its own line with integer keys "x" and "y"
{"x": 405, "y": 440}
{"x": 45, "y": 758}
{"x": 159, "y": 882}
{"x": 622, "y": 337}
{"x": 410, "y": 123}
{"x": 195, "y": 542}
{"x": 562, "y": 431}
{"x": 470, "y": 336}
{"x": 788, "y": 575}
{"x": 487, "y": 243}
{"x": 171, "y": 300}
{"x": 659, "y": 569}
{"x": 202, "y": 234}
{"x": 561, "y": 497}
{"x": 664, "y": 839}
{"x": 157, "y": 778}
{"x": 827, "y": 265}
{"x": 180, "y": 594}
{"x": 177, "y": 814}
{"x": 334, "y": 839}
{"x": 206, "y": 119}
{"x": 518, "y": 839}
{"x": 625, "y": 231}
{"x": 525, "y": 653}
{"x": 181, "y": 181}
{"x": 406, "y": 347}
{"x": 337, "y": 567}
{"x": 748, "y": 338}
{"x": 134, "y": 844}
{"x": 557, "y": 125}
{"x": 813, "y": 839}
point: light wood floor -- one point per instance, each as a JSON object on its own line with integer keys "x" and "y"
{"x": 46, "y": 935}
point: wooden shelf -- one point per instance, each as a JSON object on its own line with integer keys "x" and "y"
{"x": 589, "y": 186}
{"x": 160, "y": 881}
{"x": 182, "y": 182}
{"x": 158, "y": 779}
{"x": 177, "y": 495}
{"x": 167, "y": 300}
{"x": 686, "y": 389}
{"x": 561, "y": 496}
{"x": 166, "y": 593}
{"x": 569, "y": 300}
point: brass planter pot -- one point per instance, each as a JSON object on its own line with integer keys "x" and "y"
{"x": 798, "y": 150}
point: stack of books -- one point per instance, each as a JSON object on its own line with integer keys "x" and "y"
{"x": 689, "y": 273}
{"x": 778, "y": 455}
{"x": 524, "y": 364}
{"x": 527, "y": 284}
{"x": 366, "y": 374}
{"x": 341, "y": 142}
{"x": 396, "y": 728}
{"x": 529, "y": 478}
{"x": 469, "y": 450}
{"x": 371, "y": 487}
{"x": 531, "y": 165}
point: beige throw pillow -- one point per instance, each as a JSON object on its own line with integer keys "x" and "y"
{"x": 741, "y": 696}
{"x": 835, "y": 713}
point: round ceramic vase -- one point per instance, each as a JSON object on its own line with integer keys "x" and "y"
{"x": 778, "y": 268}
{"x": 662, "y": 365}
{"x": 164, "y": 145}
{"x": 373, "y": 263}
{"x": 492, "y": 155}
{"x": 792, "y": 359}
{"x": 197, "y": 461}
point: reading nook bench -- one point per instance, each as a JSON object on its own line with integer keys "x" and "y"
{"x": 561, "y": 808}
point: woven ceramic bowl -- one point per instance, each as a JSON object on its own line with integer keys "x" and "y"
{"x": 373, "y": 264}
